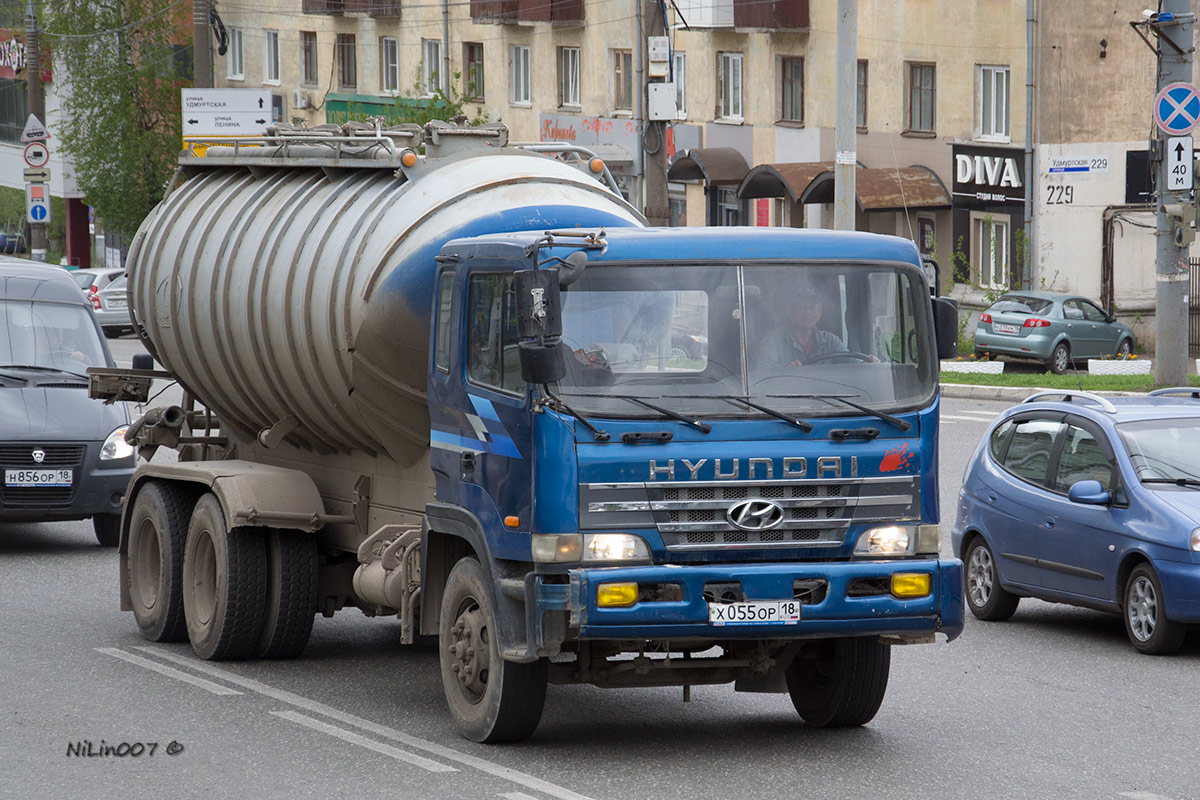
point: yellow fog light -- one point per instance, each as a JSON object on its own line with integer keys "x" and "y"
{"x": 911, "y": 584}
{"x": 616, "y": 595}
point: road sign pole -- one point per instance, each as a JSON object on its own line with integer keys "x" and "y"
{"x": 1174, "y": 24}
{"x": 36, "y": 100}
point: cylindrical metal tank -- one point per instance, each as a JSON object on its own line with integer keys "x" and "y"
{"x": 300, "y": 295}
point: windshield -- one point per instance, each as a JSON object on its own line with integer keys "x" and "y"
{"x": 1163, "y": 448}
{"x": 692, "y": 337}
{"x": 50, "y": 335}
{"x": 1020, "y": 304}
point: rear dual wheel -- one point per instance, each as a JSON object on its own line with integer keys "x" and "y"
{"x": 158, "y": 524}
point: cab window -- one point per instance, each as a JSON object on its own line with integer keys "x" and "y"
{"x": 1028, "y": 454}
{"x": 445, "y": 300}
{"x": 492, "y": 356}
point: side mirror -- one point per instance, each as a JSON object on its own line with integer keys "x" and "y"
{"x": 1089, "y": 493}
{"x": 945, "y": 326}
{"x": 539, "y": 303}
{"x": 542, "y": 362}
{"x": 143, "y": 361}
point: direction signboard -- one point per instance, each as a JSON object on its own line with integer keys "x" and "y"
{"x": 1179, "y": 163}
{"x": 226, "y": 112}
{"x": 37, "y": 154}
{"x": 37, "y": 174}
{"x": 37, "y": 202}
{"x": 1177, "y": 109}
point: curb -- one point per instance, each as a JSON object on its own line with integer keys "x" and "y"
{"x": 1013, "y": 394}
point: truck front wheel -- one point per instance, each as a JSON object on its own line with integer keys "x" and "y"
{"x": 490, "y": 699}
{"x": 840, "y": 683}
{"x": 224, "y": 584}
{"x": 154, "y": 560}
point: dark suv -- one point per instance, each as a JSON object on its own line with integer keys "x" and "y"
{"x": 62, "y": 454}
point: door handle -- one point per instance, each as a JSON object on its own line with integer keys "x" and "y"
{"x": 991, "y": 497}
{"x": 1049, "y": 523}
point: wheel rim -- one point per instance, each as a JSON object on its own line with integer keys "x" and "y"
{"x": 148, "y": 570}
{"x": 204, "y": 578}
{"x": 1124, "y": 349}
{"x": 980, "y": 577}
{"x": 470, "y": 653}
{"x": 1141, "y": 605}
{"x": 1060, "y": 358}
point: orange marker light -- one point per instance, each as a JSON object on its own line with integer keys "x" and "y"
{"x": 408, "y": 158}
{"x": 512, "y": 522}
{"x": 596, "y": 165}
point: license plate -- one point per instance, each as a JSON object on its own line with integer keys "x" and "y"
{"x": 762, "y": 612}
{"x": 999, "y": 327}
{"x": 116, "y": 302}
{"x": 37, "y": 477}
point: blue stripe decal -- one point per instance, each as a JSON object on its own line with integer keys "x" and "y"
{"x": 457, "y": 442}
{"x": 503, "y": 446}
{"x": 484, "y": 408}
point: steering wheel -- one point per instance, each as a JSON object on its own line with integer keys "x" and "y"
{"x": 841, "y": 354}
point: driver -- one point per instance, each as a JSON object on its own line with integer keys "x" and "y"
{"x": 798, "y": 340}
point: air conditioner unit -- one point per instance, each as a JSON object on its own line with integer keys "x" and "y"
{"x": 301, "y": 99}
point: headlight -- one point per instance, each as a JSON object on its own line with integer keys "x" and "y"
{"x": 115, "y": 446}
{"x": 899, "y": 540}
{"x": 560, "y": 547}
{"x": 1196, "y": 540}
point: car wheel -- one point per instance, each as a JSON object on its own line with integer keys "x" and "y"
{"x": 986, "y": 598}
{"x": 1145, "y": 615}
{"x": 839, "y": 683}
{"x": 1124, "y": 349}
{"x": 1060, "y": 359}
{"x": 678, "y": 353}
{"x": 107, "y": 528}
{"x": 490, "y": 699}
{"x": 983, "y": 355}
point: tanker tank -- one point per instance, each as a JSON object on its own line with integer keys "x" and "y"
{"x": 282, "y": 292}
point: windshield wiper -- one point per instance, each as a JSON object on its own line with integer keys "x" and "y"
{"x": 883, "y": 415}
{"x": 799, "y": 423}
{"x": 695, "y": 423}
{"x": 600, "y": 435}
{"x": 1189, "y": 482}
{"x": 39, "y": 368}
{"x": 13, "y": 377}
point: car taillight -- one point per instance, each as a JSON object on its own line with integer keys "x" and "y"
{"x": 95, "y": 301}
{"x": 1033, "y": 322}
{"x": 985, "y": 317}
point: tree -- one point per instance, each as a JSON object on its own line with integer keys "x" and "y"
{"x": 120, "y": 72}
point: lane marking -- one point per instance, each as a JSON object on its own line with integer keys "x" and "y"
{"x": 984, "y": 420}
{"x": 1143, "y": 796}
{"x": 517, "y": 796}
{"x": 362, "y": 741}
{"x": 315, "y": 707}
{"x": 200, "y": 683}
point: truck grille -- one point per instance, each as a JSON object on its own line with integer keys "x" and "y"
{"x": 20, "y": 456}
{"x": 692, "y": 516}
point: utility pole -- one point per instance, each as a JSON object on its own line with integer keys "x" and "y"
{"x": 845, "y": 133}
{"x": 1173, "y": 24}
{"x": 201, "y": 45}
{"x": 653, "y": 142}
{"x": 37, "y": 107}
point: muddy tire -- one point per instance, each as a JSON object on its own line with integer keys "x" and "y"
{"x": 158, "y": 525}
{"x": 291, "y": 593}
{"x": 224, "y": 584}
{"x": 491, "y": 700}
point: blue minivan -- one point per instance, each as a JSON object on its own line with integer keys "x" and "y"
{"x": 63, "y": 455}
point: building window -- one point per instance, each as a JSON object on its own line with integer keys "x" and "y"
{"x": 473, "y": 71}
{"x": 860, "y": 92}
{"x": 308, "y": 58}
{"x": 518, "y": 78}
{"x": 431, "y": 65}
{"x": 792, "y": 71}
{"x": 990, "y": 237}
{"x": 271, "y": 57}
{"x": 622, "y": 61}
{"x": 568, "y": 76}
{"x": 235, "y": 64}
{"x": 922, "y": 95}
{"x": 389, "y": 64}
{"x": 992, "y": 120}
{"x": 679, "y": 75}
{"x": 729, "y": 208}
{"x": 347, "y": 63}
{"x": 729, "y": 80}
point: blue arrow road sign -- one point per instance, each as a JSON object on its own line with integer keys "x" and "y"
{"x": 1177, "y": 109}
{"x": 37, "y": 213}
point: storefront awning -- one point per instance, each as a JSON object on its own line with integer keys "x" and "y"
{"x": 780, "y": 180}
{"x": 884, "y": 189}
{"x": 716, "y": 166}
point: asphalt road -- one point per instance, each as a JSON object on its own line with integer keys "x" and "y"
{"x": 1053, "y": 704}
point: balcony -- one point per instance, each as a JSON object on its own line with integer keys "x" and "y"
{"x": 494, "y": 10}
{"x": 383, "y": 8}
{"x": 771, "y": 15}
{"x": 527, "y": 11}
{"x": 706, "y": 13}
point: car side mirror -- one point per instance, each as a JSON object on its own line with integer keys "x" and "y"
{"x": 1089, "y": 493}
{"x": 945, "y": 326}
{"x": 539, "y": 325}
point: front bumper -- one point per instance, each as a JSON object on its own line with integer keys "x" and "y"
{"x": 836, "y": 614}
{"x": 1181, "y": 590}
{"x": 97, "y": 487}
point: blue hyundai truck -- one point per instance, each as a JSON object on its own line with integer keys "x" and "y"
{"x": 446, "y": 380}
